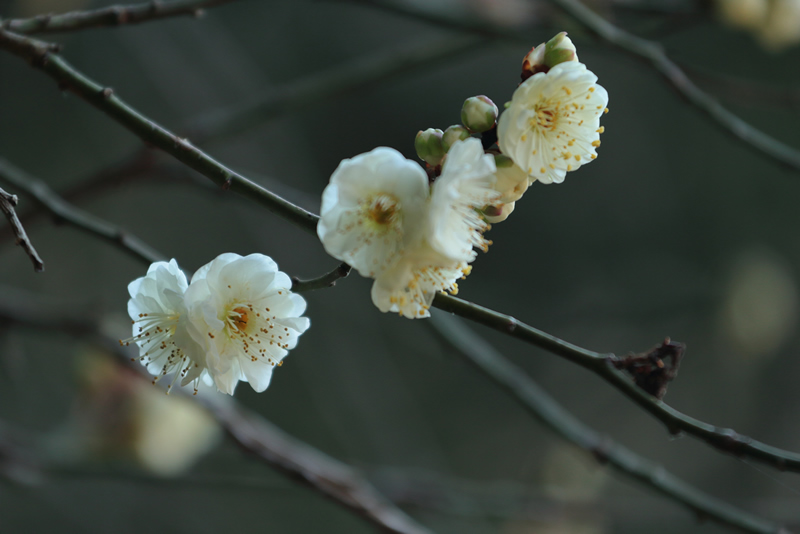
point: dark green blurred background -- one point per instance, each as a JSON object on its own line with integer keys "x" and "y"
{"x": 676, "y": 230}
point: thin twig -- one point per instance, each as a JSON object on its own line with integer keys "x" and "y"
{"x": 42, "y": 56}
{"x": 547, "y": 411}
{"x": 118, "y": 15}
{"x": 724, "y": 439}
{"x": 326, "y": 280}
{"x": 649, "y": 50}
{"x": 297, "y": 460}
{"x": 75, "y": 216}
{"x": 7, "y": 204}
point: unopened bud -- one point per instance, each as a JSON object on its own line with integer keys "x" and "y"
{"x": 429, "y": 146}
{"x": 479, "y": 114}
{"x": 499, "y": 213}
{"x": 547, "y": 55}
{"x": 452, "y": 134}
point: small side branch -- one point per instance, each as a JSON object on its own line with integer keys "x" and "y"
{"x": 555, "y": 417}
{"x": 118, "y": 15}
{"x": 604, "y": 365}
{"x": 75, "y": 216}
{"x": 7, "y": 204}
{"x": 326, "y": 280}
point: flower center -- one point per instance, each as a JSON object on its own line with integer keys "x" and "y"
{"x": 383, "y": 212}
{"x": 544, "y": 117}
{"x": 238, "y": 318}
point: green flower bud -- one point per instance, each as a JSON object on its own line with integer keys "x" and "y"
{"x": 558, "y": 50}
{"x": 479, "y": 114}
{"x": 452, "y": 134}
{"x": 429, "y": 146}
{"x": 547, "y": 55}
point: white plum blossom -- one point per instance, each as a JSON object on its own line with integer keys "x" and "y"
{"x": 552, "y": 125}
{"x": 408, "y": 288}
{"x": 372, "y": 210}
{"x": 380, "y": 215}
{"x": 243, "y": 313}
{"x": 160, "y": 322}
{"x": 512, "y": 182}
{"x": 467, "y": 183}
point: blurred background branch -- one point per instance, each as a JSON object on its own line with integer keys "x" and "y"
{"x": 290, "y": 456}
{"x": 547, "y": 411}
{"x": 8, "y": 204}
{"x": 74, "y": 216}
{"x": 650, "y": 51}
{"x": 109, "y": 16}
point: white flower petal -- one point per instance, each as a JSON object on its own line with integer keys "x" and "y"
{"x": 465, "y": 186}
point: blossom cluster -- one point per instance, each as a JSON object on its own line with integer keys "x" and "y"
{"x": 414, "y": 230}
{"x": 235, "y": 321}
{"x": 380, "y": 215}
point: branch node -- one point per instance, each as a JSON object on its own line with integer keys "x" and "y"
{"x": 43, "y": 20}
{"x": 199, "y": 13}
{"x": 41, "y": 59}
{"x": 121, "y": 15}
{"x": 344, "y": 271}
{"x": 107, "y": 92}
{"x": 600, "y": 451}
{"x": 227, "y": 183}
{"x": 649, "y": 370}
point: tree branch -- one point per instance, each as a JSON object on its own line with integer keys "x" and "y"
{"x": 41, "y": 55}
{"x": 547, "y": 411}
{"x": 7, "y": 204}
{"x": 724, "y": 439}
{"x": 295, "y": 459}
{"x": 649, "y": 50}
{"x": 75, "y": 216}
{"x": 326, "y": 280}
{"x": 118, "y": 15}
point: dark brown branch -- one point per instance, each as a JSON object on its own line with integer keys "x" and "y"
{"x": 326, "y": 280}
{"x": 604, "y": 365}
{"x": 7, "y": 204}
{"x": 75, "y": 216}
{"x": 41, "y": 55}
{"x": 516, "y": 382}
{"x": 118, "y": 15}
{"x": 295, "y": 459}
